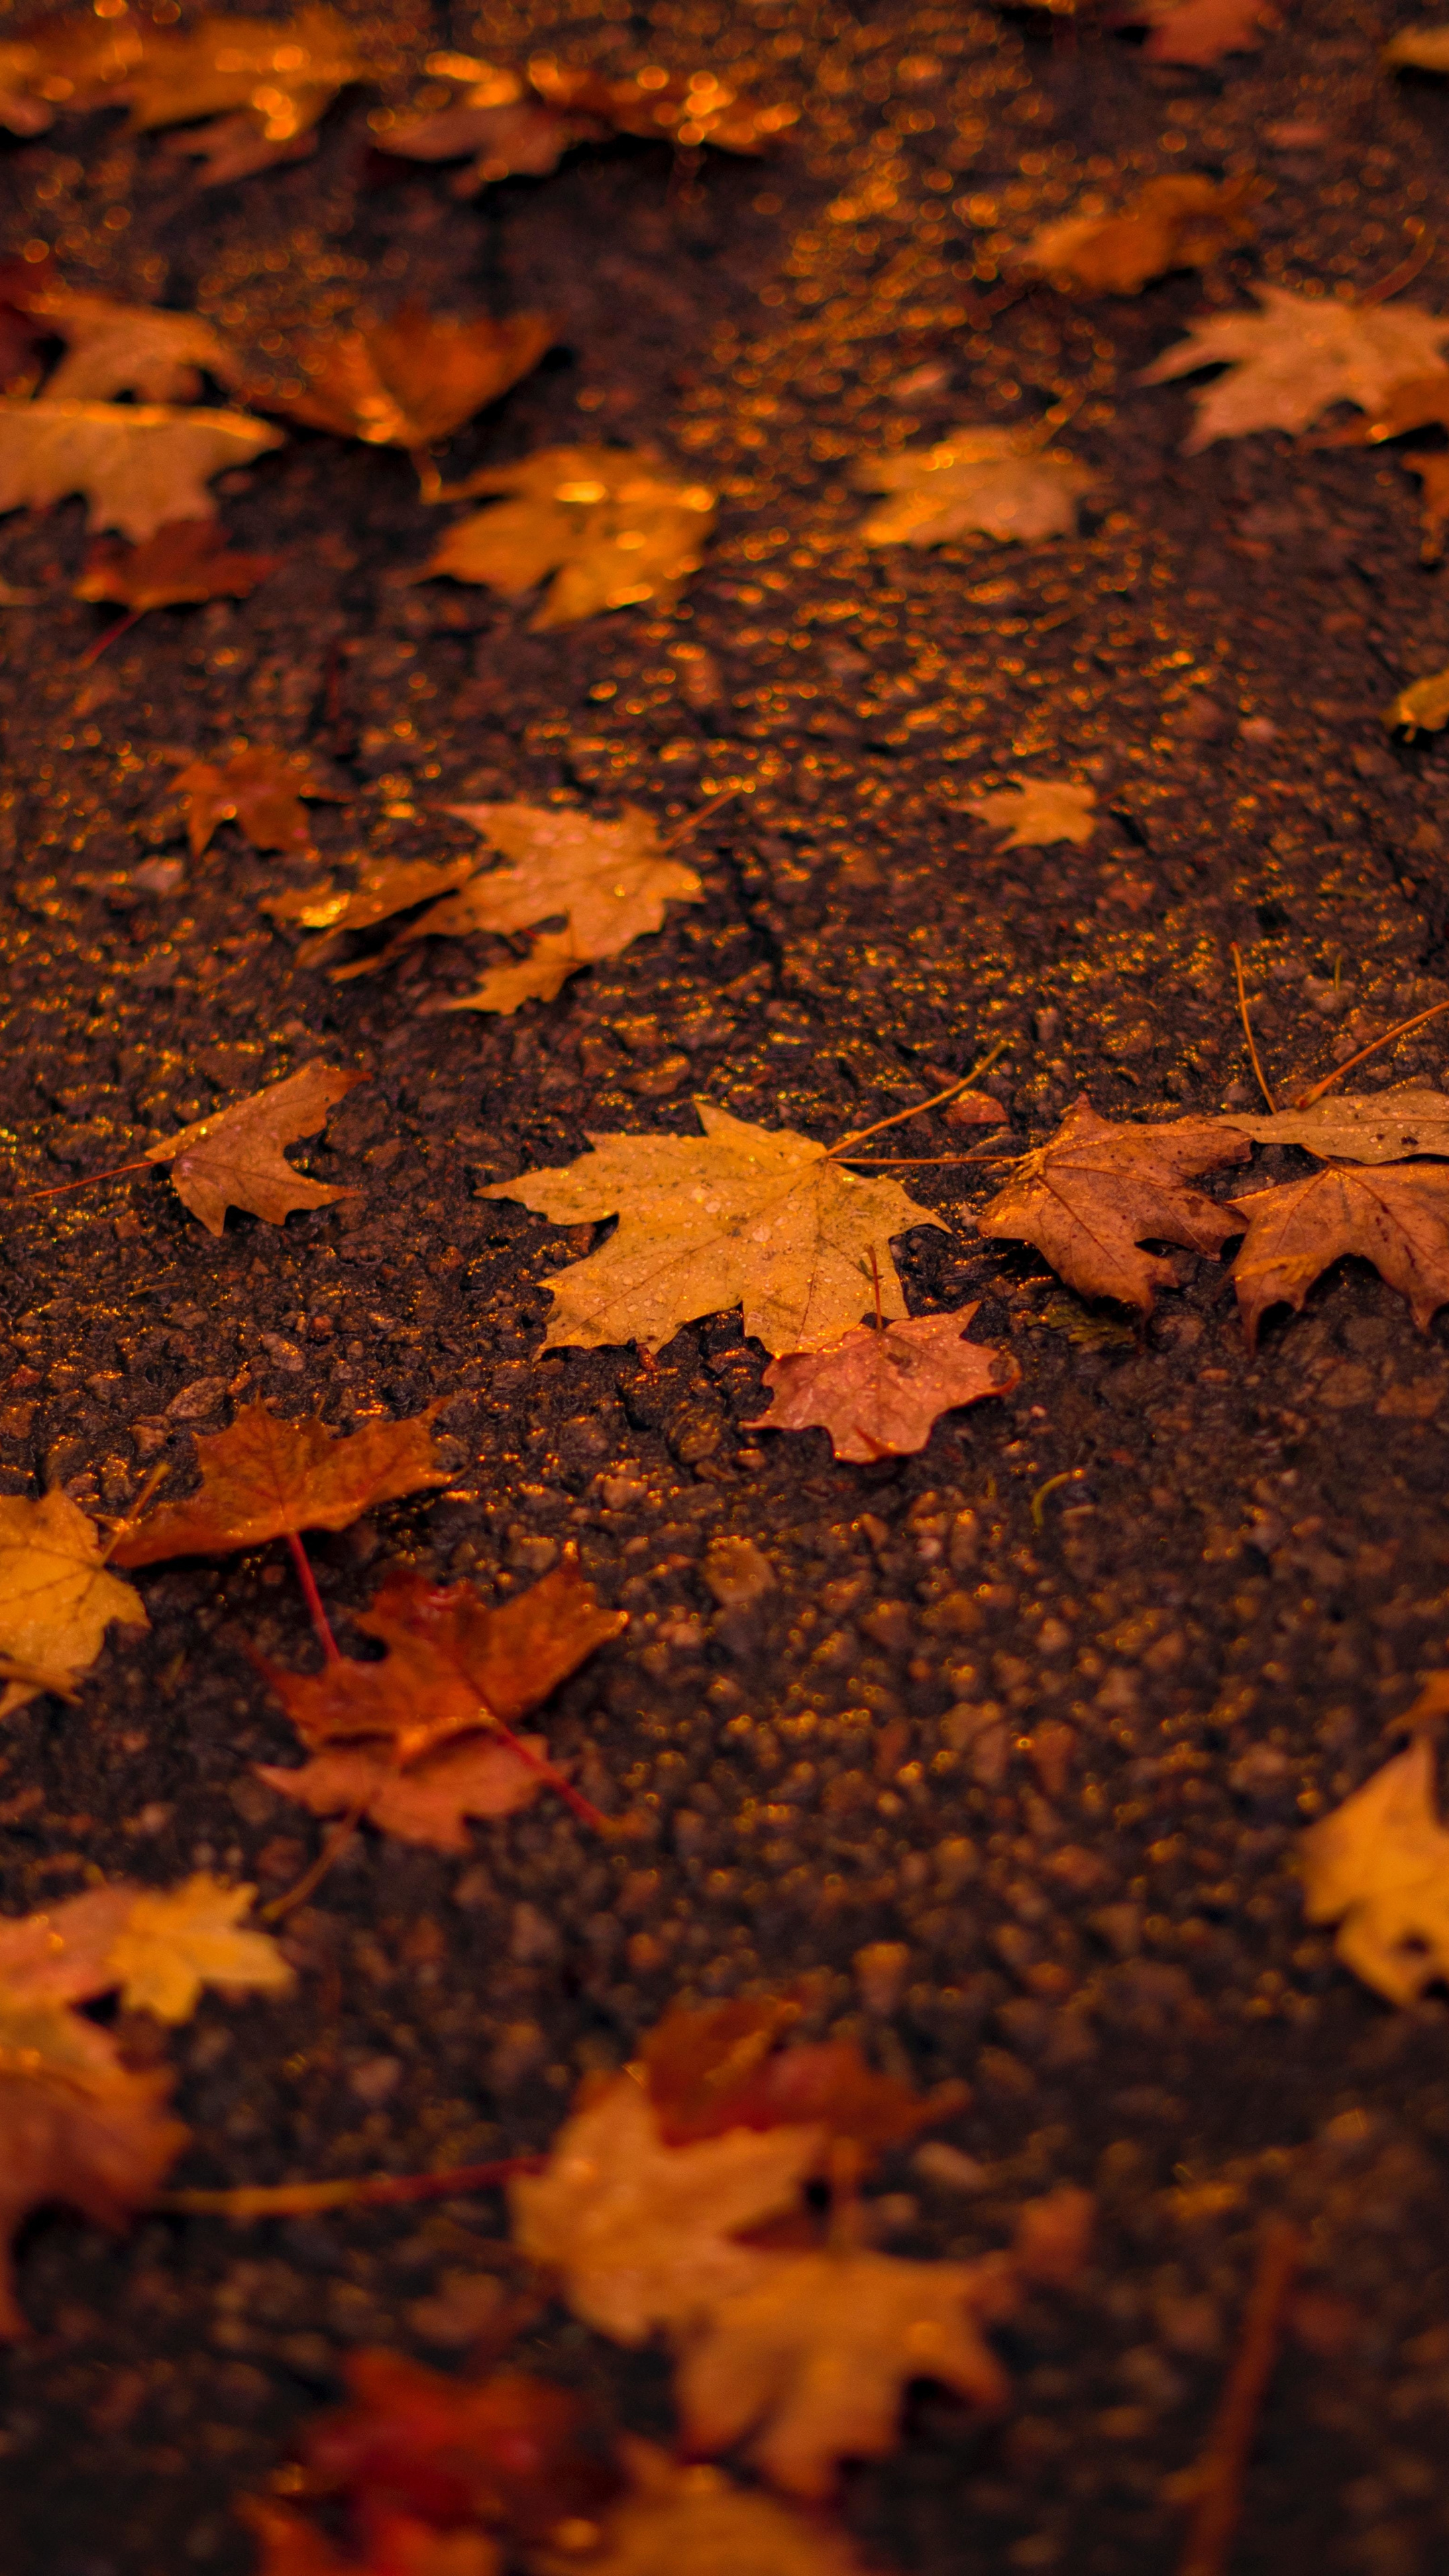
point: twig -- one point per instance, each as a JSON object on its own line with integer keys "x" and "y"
{"x": 1248, "y": 1033}
{"x": 875, "y": 1284}
{"x": 158, "y": 1475}
{"x": 858, "y": 1135}
{"x": 362, "y": 2191}
{"x": 573, "y": 1799}
{"x": 1222, "y": 2468}
{"x": 94, "y": 651}
{"x": 1409, "y": 268}
{"x": 332, "y": 1850}
{"x": 316, "y": 1609}
{"x": 1316, "y": 1090}
{"x": 918, "y": 1162}
{"x": 691, "y": 822}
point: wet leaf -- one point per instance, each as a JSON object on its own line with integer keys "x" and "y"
{"x": 1000, "y": 483}
{"x": 1379, "y": 1868}
{"x": 693, "y": 2519}
{"x": 1295, "y": 357}
{"x": 1420, "y": 49}
{"x": 721, "y": 2066}
{"x": 394, "y": 885}
{"x": 880, "y": 1394}
{"x": 1385, "y": 1127}
{"x": 742, "y": 1215}
{"x": 263, "y": 1479}
{"x": 138, "y": 349}
{"x": 1096, "y": 1192}
{"x": 642, "y": 2234}
{"x": 1036, "y": 812}
{"x": 235, "y": 1158}
{"x": 523, "y": 122}
{"x": 395, "y": 2546}
{"x": 429, "y": 1802}
{"x": 159, "y": 1947}
{"x": 1433, "y": 472}
{"x": 1173, "y": 222}
{"x": 610, "y": 525}
{"x": 1396, "y": 1216}
{"x": 412, "y": 380}
{"x": 21, "y": 282}
{"x": 63, "y": 62}
{"x": 1199, "y": 32}
{"x": 56, "y": 1597}
{"x": 234, "y": 147}
{"x": 187, "y": 559}
{"x": 138, "y": 464}
{"x": 259, "y": 788}
{"x": 1422, "y": 707}
{"x": 283, "y": 74}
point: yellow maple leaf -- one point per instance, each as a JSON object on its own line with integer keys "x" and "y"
{"x": 693, "y": 2518}
{"x": 138, "y": 464}
{"x": 1035, "y": 812}
{"x": 56, "y": 1597}
{"x": 1000, "y": 483}
{"x": 609, "y": 524}
{"x": 177, "y": 1941}
{"x": 138, "y": 349}
{"x": 1379, "y": 1868}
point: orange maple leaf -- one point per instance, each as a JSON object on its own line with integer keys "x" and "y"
{"x": 259, "y": 788}
{"x": 1095, "y": 1192}
{"x": 412, "y": 380}
{"x": 187, "y": 559}
{"x": 264, "y": 1479}
{"x": 723, "y": 2068}
{"x": 1395, "y": 1215}
{"x": 235, "y": 1159}
{"x": 880, "y": 1394}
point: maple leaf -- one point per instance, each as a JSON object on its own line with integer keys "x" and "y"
{"x": 538, "y": 977}
{"x": 818, "y": 2349}
{"x": 1198, "y": 32}
{"x": 742, "y": 1215}
{"x": 721, "y": 2068}
{"x": 642, "y": 2233}
{"x": 429, "y": 1802}
{"x": 494, "y": 117}
{"x": 139, "y": 349}
{"x": 1420, "y": 49}
{"x": 21, "y": 281}
{"x": 235, "y": 1159}
{"x": 283, "y": 74}
{"x": 1422, "y": 707}
{"x": 75, "y": 2127}
{"x": 611, "y": 882}
{"x": 1295, "y": 357}
{"x": 187, "y": 559}
{"x": 1175, "y": 222}
{"x": 880, "y": 1394}
{"x": 395, "y": 2546}
{"x": 412, "y": 380}
{"x": 259, "y": 788}
{"x": 1382, "y": 1129}
{"x": 690, "y": 2517}
{"x": 393, "y": 885}
{"x": 1379, "y": 1867}
{"x": 1396, "y": 1216}
{"x": 234, "y": 147}
{"x": 998, "y": 483}
{"x": 158, "y": 1946}
{"x": 62, "y": 63}
{"x": 1036, "y": 812}
{"x": 56, "y": 1597}
{"x": 264, "y": 1479}
{"x": 1095, "y": 1192}
{"x": 610, "y": 524}
{"x": 138, "y": 464}
{"x": 515, "y": 123}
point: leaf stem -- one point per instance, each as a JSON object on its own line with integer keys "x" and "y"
{"x": 691, "y": 822}
{"x": 1222, "y": 2469}
{"x": 332, "y": 1850}
{"x": 94, "y": 651}
{"x": 1409, "y": 268}
{"x": 1401, "y": 1029}
{"x": 316, "y": 1610}
{"x": 1248, "y": 1032}
{"x": 112, "y": 1172}
{"x": 158, "y": 1475}
{"x": 573, "y": 1798}
{"x": 360, "y": 2191}
{"x": 858, "y": 1135}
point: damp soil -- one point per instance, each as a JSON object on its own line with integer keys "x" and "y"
{"x": 1043, "y": 1708}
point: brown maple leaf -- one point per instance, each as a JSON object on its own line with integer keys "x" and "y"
{"x": 1198, "y": 32}
{"x": 138, "y": 464}
{"x": 1378, "y": 1866}
{"x": 140, "y": 349}
{"x": 1175, "y": 222}
{"x": 264, "y": 1479}
{"x": 516, "y": 122}
{"x": 430, "y": 1802}
{"x": 392, "y": 886}
{"x": 722, "y": 2067}
{"x": 880, "y": 1394}
{"x": 1395, "y": 1215}
{"x": 260, "y": 789}
{"x": 186, "y": 559}
{"x": 410, "y": 381}
{"x": 235, "y": 1158}
{"x": 276, "y": 77}
{"x": 1096, "y": 1192}
{"x": 612, "y": 526}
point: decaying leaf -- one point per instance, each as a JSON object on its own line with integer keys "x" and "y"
{"x": 1422, "y": 707}
{"x": 1096, "y": 1192}
{"x": 139, "y": 349}
{"x": 1198, "y": 32}
{"x": 718, "y": 2067}
{"x": 187, "y": 559}
{"x": 1384, "y": 1127}
{"x": 1174, "y": 222}
{"x": 407, "y": 382}
{"x": 1379, "y": 1868}
{"x": 158, "y": 1947}
{"x": 429, "y": 1802}
{"x": 235, "y": 1158}
{"x": 75, "y": 2128}
{"x": 1000, "y": 483}
{"x": 880, "y": 1394}
{"x": 56, "y": 1597}
{"x": 264, "y": 1479}
{"x": 1396, "y": 1216}
{"x": 691, "y": 2521}
{"x": 260, "y": 789}
{"x": 742, "y": 1215}
{"x": 1419, "y": 49}
{"x": 610, "y": 525}
{"x": 138, "y": 464}
{"x": 523, "y": 122}
{"x": 1036, "y": 812}
{"x": 643, "y": 2234}
{"x": 1296, "y": 356}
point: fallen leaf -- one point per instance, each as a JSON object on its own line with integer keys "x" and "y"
{"x": 1095, "y": 1192}
{"x": 75, "y": 2127}
{"x": 61, "y": 63}
{"x": 138, "y": 464}
{"x": 158, "y": 1946}
{"x": 235, "y": 1159}
{"x": 283, "y": 74}
{"x": 609, "y": 524}
{"x": 721, "y": 2066}
{"x": 21, "y": 281}
{"x": 1199, "y": 32}
{"x": 1000, "y": 483}
{"x": 691, "y": 2521}
{"x": 139, "y": 349}
{"x": 1414, "y": 402}
{"x": 1420, "y": 49}
{"x": 686, "y": 108}
{"x": 642, "y": 2234}
{"x": 265, "y": 1479}
{"x": 187, "y": 559}
{"x": 742, "y": 1215}
{"x": 1035, "y": 812}
{"x": 429, "y": 1802}
{"x": 516, "y": 122}
{"x": 1422, "y": 707}
{"x": 1433, "y": 473}
{"x": 1396, "y": 1216}
{"x": 538, "y": 977}
{"x": 1295, "y": 357}
{"x": 394, "y": 885}
{"x": 880, "y": 1394}
{"x": 234, "y": 147}
{"x": 259, "y": 788}
{"x": 1379, "y": 1868}
{"x": 412, "y": 380}
{"x": 395, "y": 2546}
{"x": 56, "y": 1597}
{"x": 1174, "y": 222}
{"x": 1382, "y": 1129}
{"x": 813, "y": 2357}
{"x": 452, "y": 1664}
